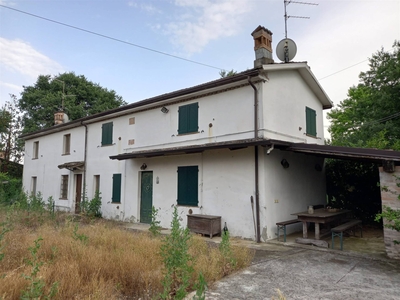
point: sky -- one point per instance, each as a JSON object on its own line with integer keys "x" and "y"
{"x": 144, "y": 48}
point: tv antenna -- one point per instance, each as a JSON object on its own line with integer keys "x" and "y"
{"x": 63, "y": 93}
{"x": 286, "y": 49}
{"x": 286, "y": 3}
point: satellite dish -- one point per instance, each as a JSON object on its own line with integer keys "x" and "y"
{"x": 286, "y": 50}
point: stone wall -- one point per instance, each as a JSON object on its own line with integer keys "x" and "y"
{"x": 390, "y": 199}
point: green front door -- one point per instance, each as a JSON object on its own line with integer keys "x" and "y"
{"x": 146, "y": 197}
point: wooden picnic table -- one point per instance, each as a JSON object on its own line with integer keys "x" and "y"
{"x": 320, "y": 216}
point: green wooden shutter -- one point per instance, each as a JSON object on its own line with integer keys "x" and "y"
{"x": 107, "y": 134}
{"x": 311, "y": 122}
{"x": 183, "y": 119}
{"x": 188, "y": 118}
{"x": 116, "y": 190}
{"x": 193, "y": 112}
{"x": 188, "y": 185}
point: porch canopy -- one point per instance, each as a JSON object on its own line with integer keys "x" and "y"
{"x": 364, "y": 154}
{"x": 73, "y": 166}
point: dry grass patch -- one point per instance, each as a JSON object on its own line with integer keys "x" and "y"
{"x": 94, "y": 259}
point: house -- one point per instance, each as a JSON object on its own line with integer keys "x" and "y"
{"x": 229, "y": 147}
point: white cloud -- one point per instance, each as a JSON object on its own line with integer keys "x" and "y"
{"x": 19, "y": 57}
{"x": 146, "y": 7}
{"x": 16, "y": 88}
{"x": 201, "y": 21}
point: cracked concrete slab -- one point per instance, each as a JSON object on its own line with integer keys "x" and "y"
{"x": 302, "y": 273}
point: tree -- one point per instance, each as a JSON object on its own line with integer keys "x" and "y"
{"x": 11, "y": 147}
{"x": 370, "y": 116}
{"x": 225, "y": 73}
{"x": 77, "y": 96}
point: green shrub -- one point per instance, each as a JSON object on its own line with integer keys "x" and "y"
{"x": 92, "y": 208}
{"x": 10, "y": 189}
{"x": 177, "y": 260}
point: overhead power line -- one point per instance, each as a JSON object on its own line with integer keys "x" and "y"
{"x": 111, "y": 38}
{"x": 146, "y": 48}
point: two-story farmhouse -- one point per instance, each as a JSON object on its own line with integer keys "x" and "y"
{"x": 218, "y": 148}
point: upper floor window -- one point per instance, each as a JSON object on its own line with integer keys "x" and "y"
{"x": 188, "y": 178}
{"x": 188, "y": 118}
{"x": 66, "y": 144}
{"x": 311, "y": 122}
{"x": 107, "y": 134}
{"x": 35, "y": 154}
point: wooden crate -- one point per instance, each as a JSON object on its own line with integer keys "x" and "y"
{"x": 205, "y": 224}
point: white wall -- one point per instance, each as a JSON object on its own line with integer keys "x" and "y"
{"x": 226, "y": 182}
{"x": 293, "y": 188}
{"x": 45, "y": 167}
{"x": 229, "y": 113}
{"x": 284, "y": 99}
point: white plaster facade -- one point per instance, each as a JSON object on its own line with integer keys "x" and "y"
{"x": 226, "y": 179}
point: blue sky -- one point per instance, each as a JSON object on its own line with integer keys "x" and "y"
{"x": 338, "y": 35}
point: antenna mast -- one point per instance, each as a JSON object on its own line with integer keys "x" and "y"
{"x": 286, "y": 3}
{"x": 63, "y": 93}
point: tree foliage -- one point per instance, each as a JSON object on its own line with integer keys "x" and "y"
{"x": 353, "y": 185}
{"x": 10, "y": 129}
{"x": 82, "y": 98}
{"x": 370, "y": 116}
{"x": 225, "y": 73}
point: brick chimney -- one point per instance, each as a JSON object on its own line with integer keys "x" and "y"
{"x": 58, "y": 118}
{"x": 262, "y": 46}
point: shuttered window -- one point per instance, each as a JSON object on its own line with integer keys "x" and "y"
{"x": 107, "y": 134}
{"x": 188, "y": 118}
{"x": 188, "y": 185}
{"x": 311, "y": 122}
{"x": 116, "y": 190}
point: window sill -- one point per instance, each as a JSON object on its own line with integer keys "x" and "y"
{"x": 33, "y": 158}
{"x": 311, "y": 136}
{"x": 188, "y": 133}
{"x": 66, "y": 154}
{"x": 187, "y": 205}
{"x": 107, "y": 145}
{"x": 115, "y": 202}
{"x": 62, "y": 198}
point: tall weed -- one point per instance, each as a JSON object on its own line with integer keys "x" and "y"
{"x": 178, "y": 267}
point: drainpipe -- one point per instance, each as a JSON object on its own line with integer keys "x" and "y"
{"x": 258, "y": 239}
{"x": 84, "y": 163}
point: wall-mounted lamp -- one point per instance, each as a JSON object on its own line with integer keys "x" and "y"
{"x": 143, "y": 166}
{"x": 164, "y": 109}
{"x": 284, "y": 163}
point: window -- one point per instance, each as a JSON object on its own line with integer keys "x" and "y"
{"x": 96, "y": 184}
{"x": 64, "y": 187}
{"x": 107, "y": 134}
{"x": 311, "y": 122}
{"x": 188, "y": 185}
{"x": 35, "y": 154}
{"x": 66, "y": 144}
{"x": 33, "y": 185}
{"x": 188, "y": 118}
{"x": 116, "y": 189}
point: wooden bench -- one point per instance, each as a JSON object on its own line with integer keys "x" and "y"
{"x": 338, "y": 231}
{"x": 282, "y": 225}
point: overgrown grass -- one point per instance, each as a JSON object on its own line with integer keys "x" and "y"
{"x": 94, "y": 259}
